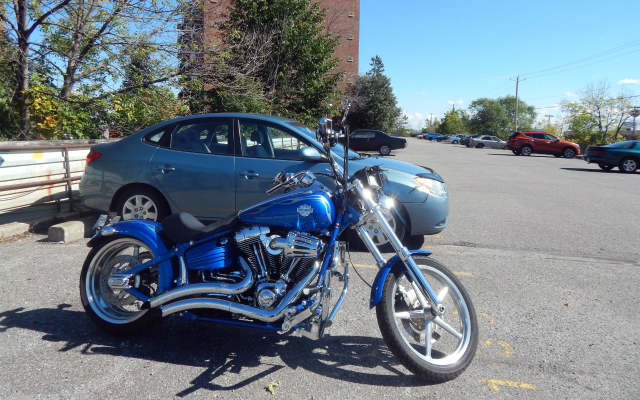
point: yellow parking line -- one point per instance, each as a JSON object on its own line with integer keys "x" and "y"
{"x": 508, "y": 349}
{"x": 494, "y": 383}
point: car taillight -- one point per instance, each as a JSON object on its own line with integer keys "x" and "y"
{"x": 92, "y": 156}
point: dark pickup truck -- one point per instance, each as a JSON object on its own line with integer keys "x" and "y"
{"x": 372, "y": 140}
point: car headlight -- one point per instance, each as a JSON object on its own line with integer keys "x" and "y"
{"x": 430, "y": 186}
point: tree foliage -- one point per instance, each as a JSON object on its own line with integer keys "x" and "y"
{"x": 496, "y": 116}
{"x": 455, "y": 122}
{"x": 74, "y": 52}
{"x": 374, "y": 106}
{"x": 597, "y": 117}
{"x": 270, "y": 56}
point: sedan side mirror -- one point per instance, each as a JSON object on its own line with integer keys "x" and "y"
{"x": 311, "y": 154}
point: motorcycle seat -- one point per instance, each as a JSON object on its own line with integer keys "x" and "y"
{"x": 183, "y": 227}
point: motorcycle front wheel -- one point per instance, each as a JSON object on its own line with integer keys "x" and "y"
{"x": 115, "y": 310}
{"x": 437, "y": 349}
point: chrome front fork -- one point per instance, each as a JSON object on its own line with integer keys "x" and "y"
{"x": 411, "y": 268}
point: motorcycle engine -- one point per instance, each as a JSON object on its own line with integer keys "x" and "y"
{"x": 277, "y": 262}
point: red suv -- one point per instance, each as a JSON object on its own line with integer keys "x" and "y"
{"x": 525, "y": 143}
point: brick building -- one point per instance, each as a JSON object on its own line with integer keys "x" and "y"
{"x": 342, "y": 18}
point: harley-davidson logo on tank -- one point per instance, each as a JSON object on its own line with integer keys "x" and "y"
{"x": 305, "y": 210}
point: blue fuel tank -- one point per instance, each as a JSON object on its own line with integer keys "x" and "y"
{"x": 304, "y": 210}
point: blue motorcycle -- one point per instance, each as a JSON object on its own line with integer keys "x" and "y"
{"x": 272, "y": 266}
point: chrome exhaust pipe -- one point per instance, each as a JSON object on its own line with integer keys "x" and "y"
{"x": 244, "y": 310}
{"x": 207, "y": 288}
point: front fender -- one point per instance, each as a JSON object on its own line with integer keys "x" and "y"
{"x": 378, "y": 283}
{"x": 148, "y": 232}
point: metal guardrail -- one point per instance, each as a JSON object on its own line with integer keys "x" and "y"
{"x": 35, "y": 179}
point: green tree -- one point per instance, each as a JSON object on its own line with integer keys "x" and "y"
{"x": 598, "y": 112}
{"x": 431, "y": 124}
{"x": 496, "y": 116}
{"x": 454, "y": 122}
{"x": 374, "y": 106}
{"x": 270, "y": 56}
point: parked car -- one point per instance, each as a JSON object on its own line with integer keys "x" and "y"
{"x": 372, "y": 140}
{"x": 455, "y": 139}
{"x": 527, "y": 143}
{"x": 624, "y": 155}
{"x": 212, "y": 165}
{"x": 487, "y": 141}
{"x": 421, "y": 135}
{"x": 442, "y": 138}
{"x": 431, "y": 136}
{"x": 465, "y": 141}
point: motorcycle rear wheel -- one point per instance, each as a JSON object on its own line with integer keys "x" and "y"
{"x": 113, "y": 310}
{"x": 454, "y": 335}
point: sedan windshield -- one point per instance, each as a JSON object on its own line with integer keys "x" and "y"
{"x": 310, "y": 134}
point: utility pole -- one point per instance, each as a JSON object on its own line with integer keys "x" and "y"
{"x": 518, "y": 80}
{"x": 549, "y": 124}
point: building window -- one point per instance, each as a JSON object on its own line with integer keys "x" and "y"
{"x": 350, "y": 37}
{"x": 352, "y": 14}
{"x": 349, "y": 59}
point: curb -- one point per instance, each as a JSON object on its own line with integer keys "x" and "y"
{"x": 42, "y": 224}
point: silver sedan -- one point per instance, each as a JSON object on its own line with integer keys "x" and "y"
{"x": 488, "y": 141}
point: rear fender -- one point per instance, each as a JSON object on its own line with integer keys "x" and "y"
{"x": 148, "y": 232}
{"x": 378, "y": 283}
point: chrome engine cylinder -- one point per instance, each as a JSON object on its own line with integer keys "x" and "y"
{"x": 297, "y": 244}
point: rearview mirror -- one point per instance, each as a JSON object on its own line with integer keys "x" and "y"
{"x": 311, "y": 154}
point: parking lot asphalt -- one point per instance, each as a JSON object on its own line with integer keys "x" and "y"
{"x": 546, "y": 247}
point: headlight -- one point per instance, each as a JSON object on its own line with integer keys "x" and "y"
{"x": 431, "y": 186}
{"x": 387, "y": 202}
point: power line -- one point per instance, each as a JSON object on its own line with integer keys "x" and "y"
{"x": 586, "y": 65}
{"x": 496, "y": 88}
{"x": 624, "y": 46}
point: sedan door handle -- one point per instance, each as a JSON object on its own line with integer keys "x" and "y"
{"x": 249, "y": 174}
{"x": 165, "y": 169}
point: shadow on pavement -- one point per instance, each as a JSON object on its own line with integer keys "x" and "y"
{"x": 220, "y": 349}
{"x": 595, "y": 170}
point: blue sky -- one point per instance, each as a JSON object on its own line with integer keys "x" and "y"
{"x": 442, "y": 52}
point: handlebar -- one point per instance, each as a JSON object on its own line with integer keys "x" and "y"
{"x": 289, "y": 180}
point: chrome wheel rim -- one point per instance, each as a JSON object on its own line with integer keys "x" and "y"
{"x": 139, "y": 207}
{"x": 116, "y": 305}
{"x": 375, "y": 231}
{"x": 450, "y": 333}
{"x": 629, "y": 165}
{"x": 385, "y": 150}
{"x": 569, "y": 153}
{"x": 526, "y": 151}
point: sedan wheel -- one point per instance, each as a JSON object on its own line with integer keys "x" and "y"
{"x": 480, "y": 145}
{"x": 375, "y": 232}
{"x": 142, "y": 203}
{"x": 384, "y": 150}
{"x": 628, "y": 165}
